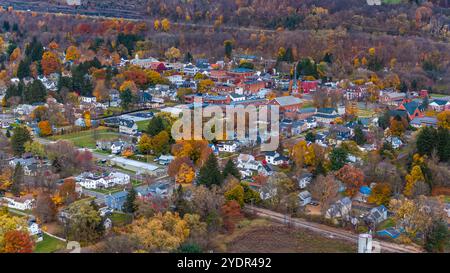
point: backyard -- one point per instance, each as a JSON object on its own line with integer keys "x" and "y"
{"x": 87, "y": 139}
{"x": 49, "y": 245}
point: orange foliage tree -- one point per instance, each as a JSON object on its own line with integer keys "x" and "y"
{"x": 17, "y": 241}
{"x": 45, "y": 128}
{"x": 50, "y": 63}
{"x": 352, "y": 177}
{"x": 231, "y": 213}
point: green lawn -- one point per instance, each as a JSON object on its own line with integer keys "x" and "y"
{"x": 87, "y": 139}
{"x": 142, "y": 125}
{"x": 363, "y": 113}
{"x": 49, "y": 245}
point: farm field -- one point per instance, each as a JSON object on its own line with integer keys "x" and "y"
{"x": 261, "y": 236}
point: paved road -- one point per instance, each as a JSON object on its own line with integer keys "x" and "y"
{"x": 328, "y": 231}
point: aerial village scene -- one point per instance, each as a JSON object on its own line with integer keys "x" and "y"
{"x": 88, "y": 101}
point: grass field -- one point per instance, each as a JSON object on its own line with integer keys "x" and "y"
{"x": 120, "y": 219}
{"x": 261, "y": 236}
{"x": 142, "y": 125}
{"x": 365, "y": 113}
{"x": 49, "y": 245}
{"x": 86, "y": 139}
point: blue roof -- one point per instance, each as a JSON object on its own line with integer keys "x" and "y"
{"x": 365, "y": 190}
{"x": 241, "y": 70}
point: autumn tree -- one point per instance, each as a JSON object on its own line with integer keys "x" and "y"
{"x": 412, "y": 178}
{"x": 72, "y": 53}
{"x": 17, "y": 180}
{"x": 45, "y": 128}
{"x": 279, "y": 192}
{"x": 84, "y": 224}
{"x": 237, "y": 194}
{"x": 207, "y": 203}
{"x": 325, "y": 189}
{"x": 45, "y": 209}
{"x": 185, "y": 175}
{"x": 145, "y": 144}
{"x": 231, "y": 213}
{"x": 410, "y": 214}
{"x": 165, "y": 25}
{"x": 381, "y": 194}
{"x": 173, "y": 53}
{"x": 352, "y": 177}
{"x": 163, "y": 232}
{"x": 50, "y": 63}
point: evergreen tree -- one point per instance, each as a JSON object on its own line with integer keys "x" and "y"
{"x": 228, "y": 48}
{"x": 359, "y": 137}
{"x": 6, "y": 26}
{"x": 126, "y": 98}
{"x": 288, "y": 56}
{"x": 23, "y": 70}
{"x": 320, "y": 170}
{"x": 156, "y": 126}
{"x": 17, "y": 180}
{"x": 426, "y": 141}
{"x": 231, "y": 169}
{"x": 36, "y": 92}
{"x": 443, "y": 144}
{"x": 130, "y": 205}
{"x": 403, "y": 87}
{"x": 188, "y": 57}
{"x": 338, "y": 158}
{"x": 20, "y": 136}
{"x": 310, "y": 137}
{"x": 209, "y": 173}
{"x": 437, "y": 237}
{"x": 8, "y": 133}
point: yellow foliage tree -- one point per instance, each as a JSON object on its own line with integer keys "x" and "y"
{"x": 185, "y": 174}
{"x": 72, "y": 53}
{"x": 156, "y": 24}
{"x": 443, "y": 119}
{"x": 411, "y": 179}
{"x": 162, "y": 232}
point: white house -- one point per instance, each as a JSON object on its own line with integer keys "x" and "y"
{"x": 190, "y": 70}
{"x": 229, "y": 147}
{"x": 304, "y": 180}
{"x": 88, "y": 99}
{"x": 93, "y": 181}
{"x": 275, "y": 158}
{"x": 117, "y": 147}
{"x": 25, "y": 202}
{"x": 304, "y": 198}
{"x": 35, "y": 230}
{"x": 128, "y": 126}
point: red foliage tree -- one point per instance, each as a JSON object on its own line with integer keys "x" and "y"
{"x": 17, "y": 241}
{"x": 231, "y": 213}
{"x": 352, "y": 177}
